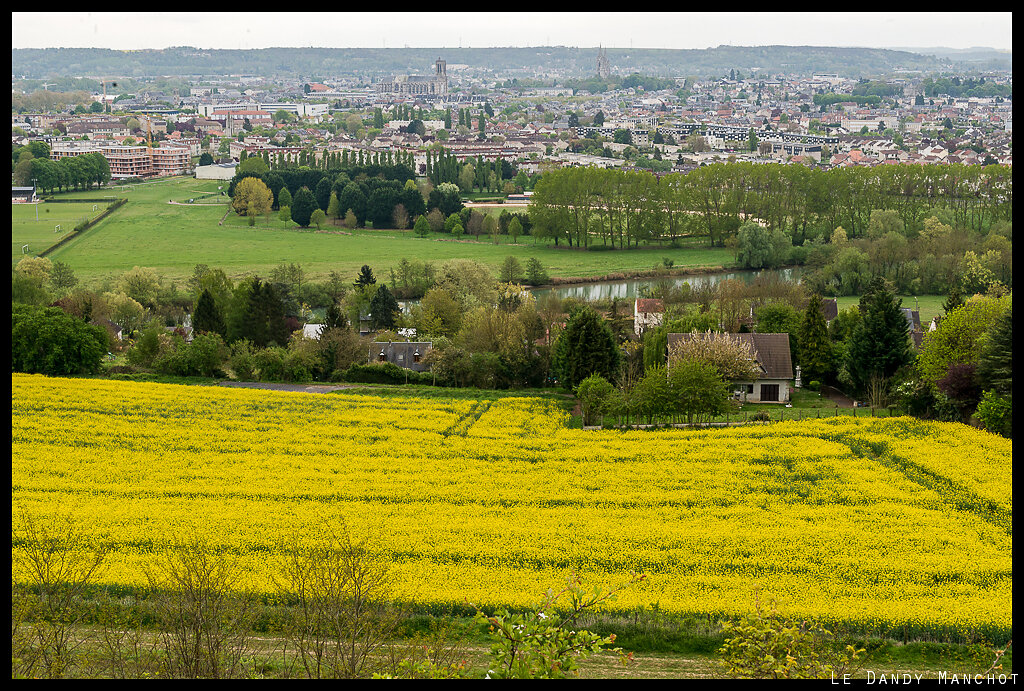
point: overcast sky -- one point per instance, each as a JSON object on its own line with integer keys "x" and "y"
{"x": 125, "y": 31}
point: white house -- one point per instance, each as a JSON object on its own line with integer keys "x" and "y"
{"x": 648, "y": 313}
{"x": 771, "y": 352}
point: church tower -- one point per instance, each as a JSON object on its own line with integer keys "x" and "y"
{"x": 441, "y": 77}
{"x": 603, "y": 67}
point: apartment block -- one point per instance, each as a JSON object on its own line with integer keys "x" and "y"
{"x": 129, "y": 161}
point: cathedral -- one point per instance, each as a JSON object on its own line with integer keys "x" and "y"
{"x": 411, "y": 84}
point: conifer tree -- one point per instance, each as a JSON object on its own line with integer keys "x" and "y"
{"x": 880, "y": 343}
{"x": 815, "y": 347}
{"x": 383, "y": 309}
{"x": 995, "y": 361}
{"x": 284, "y": 198}
{"x": 365, "y": 277}
{"x": 208, "y": 318}
{"x": 334, "y": 207}
{"x": 303, "y": 205}
{"x": 586, "y": 346}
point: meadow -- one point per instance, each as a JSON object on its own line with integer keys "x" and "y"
{"x": 884, "y": 526}
{"x": 173, "y": 238}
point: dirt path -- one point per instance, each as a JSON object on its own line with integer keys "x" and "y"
{"x": 836, "y": 396}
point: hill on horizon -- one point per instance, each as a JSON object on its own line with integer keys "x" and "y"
{"x": 38, "y": 63}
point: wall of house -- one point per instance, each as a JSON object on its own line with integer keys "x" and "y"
{"x": 784, "y": 385}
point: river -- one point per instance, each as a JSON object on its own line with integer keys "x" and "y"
{"x": 606, "y": 290}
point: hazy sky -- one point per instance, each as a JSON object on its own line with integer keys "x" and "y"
{"x": 121, "y": 30}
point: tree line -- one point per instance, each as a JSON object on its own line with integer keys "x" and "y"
{"x": 70, "y": 172}
{"x": 582, "y": 206}
{"x": 370, "y": 193}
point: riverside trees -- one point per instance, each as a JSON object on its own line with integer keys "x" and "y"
{"x": 625, "y": 208}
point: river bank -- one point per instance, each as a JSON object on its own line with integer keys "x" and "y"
{"x": 631, "y": 284}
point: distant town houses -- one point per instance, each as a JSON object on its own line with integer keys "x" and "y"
{"x": 753, "y": 118}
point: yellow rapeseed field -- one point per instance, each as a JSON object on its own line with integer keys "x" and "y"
{"x": 882, "y": 525}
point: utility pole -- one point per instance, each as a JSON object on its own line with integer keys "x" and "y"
{"x": 34, "y": 196}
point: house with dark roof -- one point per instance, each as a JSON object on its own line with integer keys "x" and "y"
{"x": 409, "y": 355}
{"x": 913, "y": 318}
{"x": 829, "y": 309}
{"x": 23, "y": 195}
{"x": 771, "y": 352}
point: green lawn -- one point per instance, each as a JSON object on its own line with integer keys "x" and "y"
{"x": 928, "y": 305}
{"x": 172, "y": 239}
{"x": 41, "y": 234}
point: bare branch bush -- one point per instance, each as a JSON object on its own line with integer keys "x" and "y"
{"x": 343, "y": 614}
{"x": 54, "y": 562}
{"x": 204, "y": 613}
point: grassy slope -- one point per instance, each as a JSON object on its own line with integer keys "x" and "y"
{"x": 172, "y": 239}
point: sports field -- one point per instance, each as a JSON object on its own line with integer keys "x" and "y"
{"x": 173, "y": 238}
{"x": 43, "y": 232}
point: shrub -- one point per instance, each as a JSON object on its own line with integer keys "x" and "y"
{"x": 299, "y": 365}
{"x": 769, "y": 645}
{"x": 384, "y": 373}
{"x": 814, "y": 385}
{"x": 46, "y": 340}
{"x": 593, "y": 393}
{"x": 242, "y": 359}
{"x": 146, "y": 347}
{"x": 543, "y": 644}
{"x": 269, "y": 363}
{"x": 204, "y": 356}
{"x": 995, "y": 413}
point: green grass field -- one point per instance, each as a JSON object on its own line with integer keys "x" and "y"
{"x": 42, "y": 233}
{"x": 928, "y": 305}
{"x": 172, "y": 239}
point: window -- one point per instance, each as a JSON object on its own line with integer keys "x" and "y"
{"x": 750, "y": 388}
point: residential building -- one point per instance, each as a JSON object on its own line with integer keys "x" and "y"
{"x": 130, "y": 161}
{"x": 771, "y": 352}
{"x": 408, "y": 355}
{"x": 648, "y": 313}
